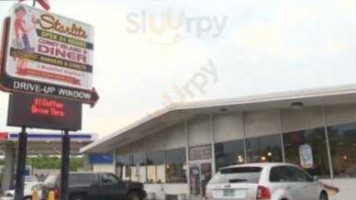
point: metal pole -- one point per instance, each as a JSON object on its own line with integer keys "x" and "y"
{"x": 327, "y": 142}
{"x": 21, "y": 164}
{"x": 212, "y": 132}
{"x": 281, "y": 135}
{"x": 186, "y": 131}
{"x": 64, "y": 194}
{"x": 244, "y": 132}
{"x": 34, "y": 3}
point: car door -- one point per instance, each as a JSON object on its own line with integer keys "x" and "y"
{"x": 308, "y": 187}
{"x": 112, "y": 188}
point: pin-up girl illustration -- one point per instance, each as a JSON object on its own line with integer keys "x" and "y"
{"x": 21, "y": 34}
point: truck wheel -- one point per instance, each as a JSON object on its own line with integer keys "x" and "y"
{"x": 134, "y": 196}
{"x": 78, "y": 197}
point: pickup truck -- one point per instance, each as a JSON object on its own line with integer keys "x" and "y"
{"x": 95, "y": 186}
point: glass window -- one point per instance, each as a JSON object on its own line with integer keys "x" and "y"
{"x": 202, "y": 152}
{"x": 279, "y": 174}
{"x": 264, "y": 149}
{"x": 138, "y": 167}
{"x": 229, "y": 153}
{"x": 288, "y": 174}
{"x": 109, "y": 179}
{"x": 315, "y": 158}
{"x": 342, "y": 140}
{"x": 297, "y": 175}
{"x": 176, "y": 166}
{"x": 237, "y": 175}
{"x": 123, "y": 166}
{"x": 155, "y": 167}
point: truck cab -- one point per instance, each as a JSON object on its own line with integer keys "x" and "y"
{"x": 93, "y": 186}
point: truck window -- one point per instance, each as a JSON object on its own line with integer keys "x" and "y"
{"x": 81, "y": 178}
{"x": 109, "y": 179}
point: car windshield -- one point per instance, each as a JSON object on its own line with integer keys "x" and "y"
{"x": 237, "y": 175}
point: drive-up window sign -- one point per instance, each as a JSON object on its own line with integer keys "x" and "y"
{"x": 48, "y": 54}
{"x": 43, "y": 112}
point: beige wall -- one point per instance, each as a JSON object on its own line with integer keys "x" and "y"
{"x": 228, "y": 127}
{"x": 338, "y": 114}
{"x": 109, "y": 168}
{"x": 171, "y": 138}
{"x": 258, "y": 123}
{"x": 199, "y": 131}
{"x": 306, "y": 118}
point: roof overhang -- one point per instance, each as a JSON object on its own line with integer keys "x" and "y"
{"x": 46, "y": 143}
{"x": 176, "y": 113}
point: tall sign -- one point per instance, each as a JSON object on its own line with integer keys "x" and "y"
{"x": 47, "y": 64}
{"x": 47, "y": 54}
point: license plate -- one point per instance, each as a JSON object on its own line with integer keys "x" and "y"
{"x": 229, "y": 193}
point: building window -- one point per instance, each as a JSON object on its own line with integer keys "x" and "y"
{"x": 138, "y": 169}
{"x": 176, "y": 166}
{"x": 342, "y": 140}
{"x": 229, "y": 153}
{"x": 202, "y": 152}
{"x": 264, "y": 149}
{"x": 155, "y": 167}
{"x": 307, "y": 148}
{"x": 123, "y": 164}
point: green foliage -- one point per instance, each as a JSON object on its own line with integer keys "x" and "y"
{"x": 54, "y": 162}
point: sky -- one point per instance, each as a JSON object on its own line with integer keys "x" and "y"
{"x": 151, "y": 53}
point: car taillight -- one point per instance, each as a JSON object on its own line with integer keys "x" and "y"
{"x": 263, "y": 193}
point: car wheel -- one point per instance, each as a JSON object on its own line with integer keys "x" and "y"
{"x": 78, "y": 197}
{"x": 134, "y": 196}
{"x": 323, "y": 196}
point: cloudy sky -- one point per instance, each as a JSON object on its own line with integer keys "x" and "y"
{"x": 150, "y": 53}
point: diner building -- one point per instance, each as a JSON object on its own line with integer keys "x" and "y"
{"x": 176, "y": 150}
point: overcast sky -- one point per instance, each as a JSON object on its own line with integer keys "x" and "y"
{"x": 151, "y": 53}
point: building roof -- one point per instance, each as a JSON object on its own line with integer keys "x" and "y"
{"x": 176, "y": 113}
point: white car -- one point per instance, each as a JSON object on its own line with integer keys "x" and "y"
{"x": 265, "y": 181}
{"x": 29, "y": 187}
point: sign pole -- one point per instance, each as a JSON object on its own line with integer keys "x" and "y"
{"x": 64, "y": 195}
{"x": 21, "y": 164}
